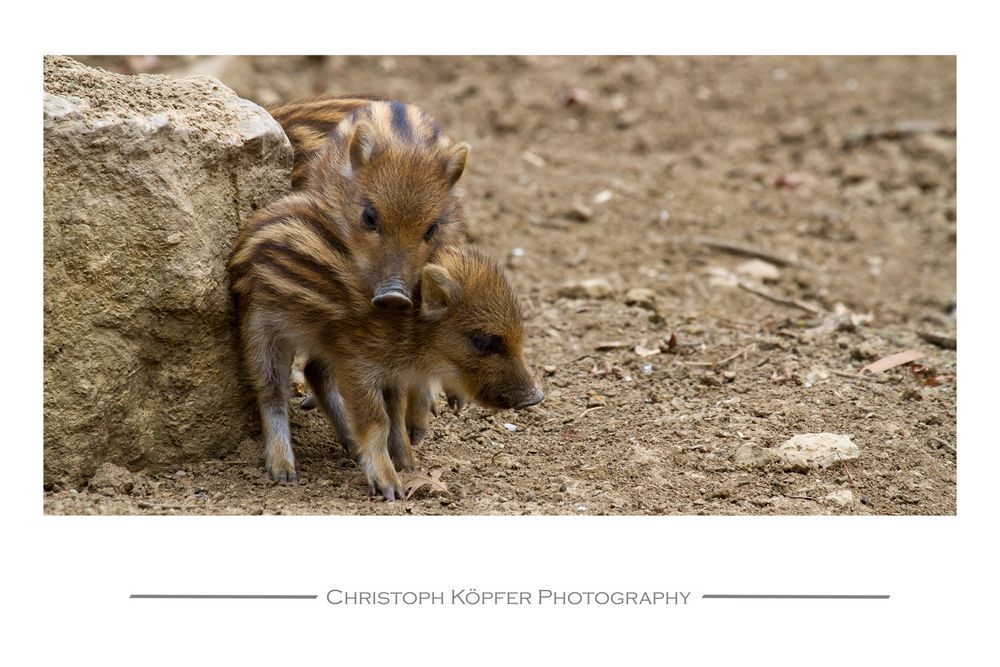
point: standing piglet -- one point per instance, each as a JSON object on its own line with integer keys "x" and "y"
{"x": 299, "y": 284}
{"x": 394, "y": 148}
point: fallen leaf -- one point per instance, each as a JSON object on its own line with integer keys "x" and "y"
{"x": 892, "y": 361}
{"x": 671, "y": 346}
{"x": 414, "y": 481}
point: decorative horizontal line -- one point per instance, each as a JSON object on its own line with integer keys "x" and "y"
{"x": 219, "y": 597}
{"x": 795, "y": 597}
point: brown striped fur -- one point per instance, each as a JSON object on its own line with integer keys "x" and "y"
{"x": 308, "y": 123}
{"x": 300, "y": 284}
{"x": 407, "y": 148}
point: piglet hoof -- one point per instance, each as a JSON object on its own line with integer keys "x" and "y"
{"x": 403, "y": 463}
{"x": 455, "y": 403}
{"x": 308, "y": 402}
{"x": 390, "y": 489}
{"x": 283, "y": 472}
{"x": 417, "y": 435}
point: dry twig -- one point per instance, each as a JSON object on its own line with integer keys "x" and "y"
{"x": 939, "y": 339}
{"x": 161, "y": 506}
{"x": 945, "y": 445}
{"x": 753, "y": 251}
{"x": 862, "y": 378}
{"x": 792, "y": 303}
{"x": 846, "y": 469}
{"x": 722, "y": 362}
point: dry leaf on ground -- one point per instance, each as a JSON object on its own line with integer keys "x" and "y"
{"x": 418, "y": 479}
{"x": 892, "y": 361}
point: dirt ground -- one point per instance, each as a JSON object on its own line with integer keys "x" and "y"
{"x": 645, "y": 172}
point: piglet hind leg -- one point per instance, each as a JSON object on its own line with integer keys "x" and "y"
{"x": 370, "y": 425}
{"x": 419, "y": 408}
{"x": 399, "y": 435}
{"x": 269, "y": 361}
{"x": 319, "y": 374}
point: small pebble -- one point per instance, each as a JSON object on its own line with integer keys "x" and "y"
{"x": 864, "y": 351}
{"x": 510, "y": 427}
{"x": 642, "y": 297}
{"x": 590, "y": 288}
{"x": 533, "y": 160}
{"x": 580, "y": 212}
{"x": 562, "y": 488}
{"x": 603, "y": 197}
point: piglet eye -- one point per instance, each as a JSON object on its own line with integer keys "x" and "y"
{"x": 369, "y": 217}
{"x": 486, "y": 343}
{"x": 429, "y": 234}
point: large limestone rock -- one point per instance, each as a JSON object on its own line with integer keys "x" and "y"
{"x": 147, "y": 180}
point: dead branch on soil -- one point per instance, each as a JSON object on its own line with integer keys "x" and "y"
{"x": 900, "y": 130}
{"x": 846, "y": 469}
{"x": 162, "y": 506}
{"x": 588, "y": 411}
{"x": 742, "y": 352}
{"x": 939, "y": 339}
{"x": 753, "y": 251}
{"x": 792, "y": 303}
{"x": 862, "y": 378}
{"x": 944, "y": 445}
{"x": 573, "y": 419}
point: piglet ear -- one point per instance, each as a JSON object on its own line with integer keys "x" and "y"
{"x": 456, "y": 163}
{"x": 362, "y": 146}
{"x": 437, "y": 292}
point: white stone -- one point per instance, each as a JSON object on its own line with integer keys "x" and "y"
{"x": 590, "y": 288}
{"x": 841, "y": 498}
{"x": 758, "y": 269}
{"x": 817, "y": 450}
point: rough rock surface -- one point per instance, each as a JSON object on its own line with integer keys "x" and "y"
{"x": 147, "y": 180}
{"x": 111, "y": 479}
{"x": 754, "y": 456}
{"x": 817, "y": 450}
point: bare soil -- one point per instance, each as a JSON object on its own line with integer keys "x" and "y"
{"x": 820, "y": 162}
